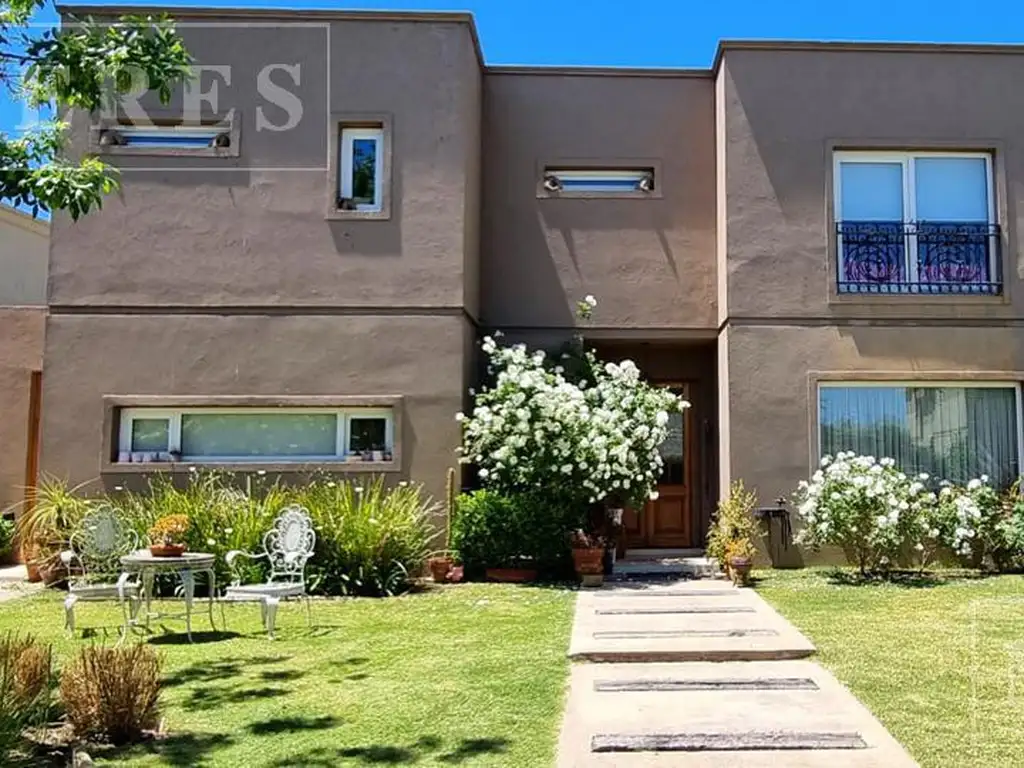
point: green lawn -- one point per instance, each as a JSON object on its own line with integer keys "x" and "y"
{"x": 940, "y": 661}
{"x": 468, "y": 674}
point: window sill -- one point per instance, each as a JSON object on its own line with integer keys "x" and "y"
{"x": 278, "y": 467}
{"x": 337, "y": 214}
{"x": 918, "y": 299}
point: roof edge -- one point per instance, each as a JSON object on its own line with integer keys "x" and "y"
{"x": 291, "y": 14}
{"x": 866, "y": 46}
{"x": 22, "y": 220}
{"x": 585, "y": 71}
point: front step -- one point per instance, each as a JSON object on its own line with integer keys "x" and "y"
{"x": 687, "y": 566}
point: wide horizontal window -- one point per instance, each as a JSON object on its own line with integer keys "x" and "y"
{"x": 918, "y": 222}
{"x": 253, "y": 435}
{"x": 599, "y": 180}
{"x": 953, "y": 433}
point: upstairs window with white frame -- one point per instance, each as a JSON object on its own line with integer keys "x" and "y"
{"x": 916, "y": 223}
{"x": 361, "y": 169}
{"x": 252, "y": 435}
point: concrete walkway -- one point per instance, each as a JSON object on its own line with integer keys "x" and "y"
{"x": 14, "y": 582}
{"x": 699, "y": 673}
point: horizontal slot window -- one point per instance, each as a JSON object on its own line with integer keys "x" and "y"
{"x": 166, "y": 136}
{"x": 594, "y": 180}
{"x": 953, "y": 433}
{"x": 224, "y": 435}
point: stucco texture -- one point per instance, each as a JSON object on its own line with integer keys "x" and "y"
{"x": 649, "y": 262}
{"x": 419, "y": 358}
{"x": 21, "y": 353}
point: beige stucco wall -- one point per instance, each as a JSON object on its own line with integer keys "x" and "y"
{"x": 24, "y": 252}
{"x": 21, "y": 353}
{"x": 784, "y": 111}
{"x": 418, "y": 358}
{"x": 649, "y": 262}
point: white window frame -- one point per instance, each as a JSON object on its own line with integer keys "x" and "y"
{"x": 931, "y": 384}
{"x": 906, "y": 161}
{"x": 346, "y": 138}
{"x": 127, "y": 417}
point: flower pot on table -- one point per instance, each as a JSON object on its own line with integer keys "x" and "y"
{"x": 167, "y": 550}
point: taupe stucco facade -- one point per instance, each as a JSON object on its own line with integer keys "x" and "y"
{"x": 223, "y": 278}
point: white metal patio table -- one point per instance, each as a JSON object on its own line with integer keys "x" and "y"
{"x": 186, "y": 566}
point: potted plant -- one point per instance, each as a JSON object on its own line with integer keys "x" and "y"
{"x": 167, "y": 536}
{"x": 588, "y": 557}
{"x": 733, "y": 521}
{"x": 441, "y": 563}
{"x": 739, "y": 554}
{"x": 43, "y": 527}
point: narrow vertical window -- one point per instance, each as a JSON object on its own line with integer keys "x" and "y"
{"x": 361, "y": 169}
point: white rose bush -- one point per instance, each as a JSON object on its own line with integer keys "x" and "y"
{"x": 588, "y": 441}
{"x": 882, "y": 518}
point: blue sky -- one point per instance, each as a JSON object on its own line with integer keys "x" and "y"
{"x": 678, "y": 33}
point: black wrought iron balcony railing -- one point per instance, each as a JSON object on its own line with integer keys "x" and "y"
{"x": 918, "y": 257}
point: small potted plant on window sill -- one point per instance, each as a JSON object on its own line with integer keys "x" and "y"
{"x": 167, "y": 536}
{"x": 588, "y": 551}
{"x": 739, "y": 554}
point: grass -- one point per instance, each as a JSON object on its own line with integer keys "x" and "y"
{"x": 939, "y": 660}
{"x": 464, "y": 675}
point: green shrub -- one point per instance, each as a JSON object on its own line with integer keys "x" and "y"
{"x": 6, "y": 539}
{"x": 26, "y": 688}
{"x": 371, "y": 539}
{"x": 223, "y": 517}
{"x": 112, "y": 693}
{"x": 492, "y": 530}
{"x": 733, "y": 522}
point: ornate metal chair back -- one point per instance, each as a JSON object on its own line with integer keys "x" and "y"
{"x": 289, "y": 544}
{"x": 101, "y": 539}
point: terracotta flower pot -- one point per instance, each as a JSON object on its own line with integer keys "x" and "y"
{"x": 512, "y": 575}
{"x": 440, "y": 567}
{"x": 588, "y": 561}
{"x": 739, "y": 569}
{"x": 167, "y": 550}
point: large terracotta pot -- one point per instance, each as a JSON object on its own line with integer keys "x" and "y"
{"x": 588, "y": 561}
{"x": 739, "y": 570}
{"x": 440, "y": 567}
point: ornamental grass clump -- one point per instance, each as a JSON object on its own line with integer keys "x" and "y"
{"x": 26, "y": 688}
{"x": 585, "y": 440}
{"x": 869, "y": 508}
{"x": 112, "y": 693}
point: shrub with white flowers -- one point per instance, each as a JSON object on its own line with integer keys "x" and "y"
{"x": 590, "y": 441}
{"x": 870, "y": 509}
{"x": 970, "y": 517}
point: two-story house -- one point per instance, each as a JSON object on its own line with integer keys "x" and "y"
{"x": 816, "y": 243}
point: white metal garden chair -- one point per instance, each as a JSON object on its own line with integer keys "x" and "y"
{"x": 287, "y": 547}
{"x": 97, "y": 546}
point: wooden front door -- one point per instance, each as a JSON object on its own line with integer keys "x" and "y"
{"x": 667, "y": 521}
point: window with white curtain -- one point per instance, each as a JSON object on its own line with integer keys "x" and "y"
{"x": 252, "y": 434}
{"x": 952, "y": 432}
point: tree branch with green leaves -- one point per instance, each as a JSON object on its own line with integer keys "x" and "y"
{"x": 85, "y": 65}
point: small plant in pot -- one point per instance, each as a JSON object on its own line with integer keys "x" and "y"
{"x": 167, "y": 536}
{"x": 739, "y": 554}
{"x": 442, "y": 563}
{"x": 588, "y": 557}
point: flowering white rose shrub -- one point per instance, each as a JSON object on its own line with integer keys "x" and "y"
{"x": 584, "y": 441}
{"x": 870, "y": 509}
{"x": 970, "y": 518}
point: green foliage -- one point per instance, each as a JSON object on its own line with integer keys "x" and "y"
{"x": 493, "y": 530}
{"x": 26, "y": 687}
{"x": 46, "y": 525}
{"x": 112, "y": 693}
{"x": 222, "y": 516}
{"x": 733, "y": 527}
{"x": 84, "y": 65}
{"x": 6, "y": 538}
{"x": 370, "y": 538}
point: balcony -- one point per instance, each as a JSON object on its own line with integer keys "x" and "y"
{"x": 886, "y": 257}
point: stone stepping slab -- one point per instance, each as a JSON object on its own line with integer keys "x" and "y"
{"x": 665, "y": 634}
{"x": 727, "y": 741}
{"x": 669, "y": 611}
{"x": 707, "y": 684}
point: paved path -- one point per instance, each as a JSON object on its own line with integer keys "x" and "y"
{"x": 14, "y": 582}
{"x": 699, "y": 673}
